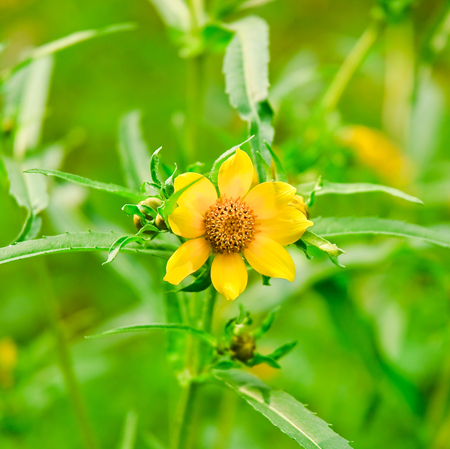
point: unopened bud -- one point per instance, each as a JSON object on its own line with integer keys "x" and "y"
{"x": 160, "y": 223}
{"x": 243, "y": 347}
{"x": 152, "y": 202}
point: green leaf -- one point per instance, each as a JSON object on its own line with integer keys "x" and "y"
{"x": 30, "y": 194}
{"x": 149, "y": 327}
{"x": 336, "y": 188}
{"x": 129, "y": 431}
{"x": 260, "y": 358}
{"x": 300, "y": 244}
{"x": 214, "y": 173}
{"x": 267, "y": 172}
{"x": 65, "y": 42}
{"x": 31, "y": 108}
{"x": 77, "y": 241}
{"x": 283, "y": 350}
{"x": 119, "y": 244}
{"x": 174, "y": 14}
{"x": 319, "y": 242}
{"x": 111, "y": 188}
{"x": 168, "y": 185}
{"x": 133, "y": 151}
{"x": 202, "y": 282}
{"x": 169, "y": 206}
{"x": 154, "y": 167}
{"x": 284, "y": 411}
{"x": 281, "y": 172}
{"x": 266, "y": 280}
{"x": 266, "y": 324}
{"x": 247, "y": 81}
{"x": 340, "y": 226}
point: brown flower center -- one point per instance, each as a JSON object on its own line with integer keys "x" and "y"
{"x": 230, "y": 226}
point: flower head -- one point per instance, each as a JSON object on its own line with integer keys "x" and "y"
{"x": 242, "y": 221}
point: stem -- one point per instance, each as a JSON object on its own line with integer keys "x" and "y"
{"x": 194, "y": 105}
{"x": 350, "y": 65}
{"x": 184, "y": 429}
{"x": 65, "y": 358}
{"x": 185, "y": 422}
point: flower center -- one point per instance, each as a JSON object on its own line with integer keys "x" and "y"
{"x": 230, "y": 226}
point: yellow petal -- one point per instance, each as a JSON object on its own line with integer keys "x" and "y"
{"x": 187, "y": 222}
{"x": 269, "y": 258}
{"x": 285, "y": 228}
{"x": 299, "y": 203}
{"x": 189, "y": 257}
{"x": 236, "y": 175}
{"x": 229, "y": 275}
{"x": 200, "y": 196}
{"x": 269, "y": 198}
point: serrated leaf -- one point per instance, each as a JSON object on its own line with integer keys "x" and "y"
{"x": 281, "y": 172}
{"x": 133, "y": 151}
{"x": 77, "y": 241}
{"x": 170, "y": 326}
{"x": 319, "y": 242}
{"x": 214, "y": 173}
{"x": 247, "y": 81}
{"x": 284, "y": 411}
{"x": 110, "y": 188}
{"x": 336, "y": 188}
{"x": 65, "y": 42}
{"x": 340, "y": 226}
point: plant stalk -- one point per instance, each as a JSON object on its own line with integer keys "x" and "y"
{"x": 65, "y": 358}
{"x": 350, "y": 65}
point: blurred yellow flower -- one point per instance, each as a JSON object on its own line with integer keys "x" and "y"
{"x": 254, "y": 222}
{"x": 8, "y": 361}
{"x": 374, "y": 149}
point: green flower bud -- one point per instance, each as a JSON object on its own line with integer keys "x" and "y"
{"x": 152, "y": 202}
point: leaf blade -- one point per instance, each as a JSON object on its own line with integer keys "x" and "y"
{"x": 111, "y": 188}
{"x": 284, "y": 411}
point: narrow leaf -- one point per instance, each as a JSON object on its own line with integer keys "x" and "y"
{"x": 336, "y": 188}
{"x": 133, "y": 151}
{"x": 202, "y": 282}
{"x": 283, "y": 350}
{"x": 154, "y": 167}
{"x": 129, "y": 430}
{"x": 119, "y": 244}
{"x": 281, "y": 172}
{"x": 319, "y": 242}
{"x": 149, "y": 327}
{"x": 338, "y": 226}
{"x": 267, "y": 323}
{"x": 77, "y": 241}
{"x": 284, "y": 411}
{"x": 111, "y": 188}
{"x": 67, "y": 41}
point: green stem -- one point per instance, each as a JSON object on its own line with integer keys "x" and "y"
{"x": 185, "y": 423}
{"x": 350, "y": 65}
{"x": 194, "y": 105}
{"x": 65, "y": 358}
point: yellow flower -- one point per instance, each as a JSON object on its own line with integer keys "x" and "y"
{"x": 256, "y": 222}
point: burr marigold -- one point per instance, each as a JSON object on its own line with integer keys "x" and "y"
{"x": 252, "y": 222}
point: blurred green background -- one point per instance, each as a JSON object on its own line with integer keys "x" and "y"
{"x": 373, "y": 353}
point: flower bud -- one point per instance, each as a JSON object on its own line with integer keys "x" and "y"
{"x": 152, "y": 202}
{"x": 160, "y": 223}
{"x": 243, "y": 347}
